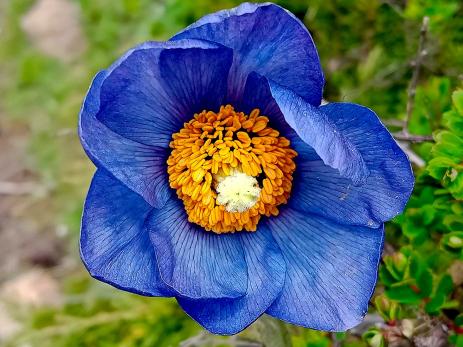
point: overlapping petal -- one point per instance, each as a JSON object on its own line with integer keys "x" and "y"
{"x": 288, "y": 110}
{"x": 140, "y": 167}
{"x": 257, "y": 95}
{"x": 194, "y": 262}
{"x": 318, "y": 131}
{"x": 315, "y": 264}
{"x": 144, "y": 107}
{"x": 266, "y": 39}
{"x": 266, "y": 274}
{"x": 114, "y": 244}
{"x": 154, "y": 88}
{"x": 321, "y": 190}
{"x": 331, "y": 270}
{"x": 341, "y": 135}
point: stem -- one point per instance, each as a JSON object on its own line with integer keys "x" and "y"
{"x": 334, "y": 340}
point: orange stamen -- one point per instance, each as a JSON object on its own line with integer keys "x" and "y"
{"x": 214, "y": 145}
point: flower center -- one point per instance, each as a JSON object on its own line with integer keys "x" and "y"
{"x": 238, "y": 192}
{"x": 230, "y": 169}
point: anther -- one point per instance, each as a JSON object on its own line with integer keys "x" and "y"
{"x": 230, "y": 169}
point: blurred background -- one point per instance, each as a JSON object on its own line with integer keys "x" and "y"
{"x": 402, "y": 58}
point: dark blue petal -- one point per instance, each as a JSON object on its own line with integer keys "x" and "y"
{"x": 331, "y": 270}
{"x": 114, "y": 245}
{"x": 290, "y": 114}
{"x": 195, "y": 262}
{"x": 266, "y": 274}
{"x": 140, "y": 167}
{"x": 320, "y": 132}
{"x": 144, "y": 98}
{"x": 320, "y": 189}
{"x": 153, "y": 89}
{"x": 267, "y": 39}
{"x": 257, "y": 95}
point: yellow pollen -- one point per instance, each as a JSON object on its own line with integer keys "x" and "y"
{"x": 238, "y": 192}
{"x": 230, "y": 169}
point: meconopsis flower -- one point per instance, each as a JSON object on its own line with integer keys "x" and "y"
{"x": 222, "y": 182}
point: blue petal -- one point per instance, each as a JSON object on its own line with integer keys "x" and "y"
{"x": 114, "y": 245}
{"x": 153, "y": 89}
{"x": 287, "y": 111}
{"x": 267, "y": 39}
{"x": 140, "y": 167}
{"x": 320, "y": 132}
{"x": 196, "y": 263}
{"x": 257, "y": 95}
{"x": 320, "y": 189}
{"x": 142, "y": 105}
{"x": 331, "y": 270}
{"x": 266, "y": 274}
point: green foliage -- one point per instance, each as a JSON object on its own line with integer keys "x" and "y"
{"x": 366, "y": 48}
{"x": 374, "y": 338}
{"x": 447, "y": 164}
{"x": 92, "y": 316}
{"x": 431, "y": 101}
{"x": 309, "y": 338}
{"x": 428, "y": 235}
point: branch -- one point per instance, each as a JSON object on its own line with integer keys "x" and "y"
{"x": 393, "y": 122}
{"x": 405, "y": 136}
{"x": 422, "y": 52}
{"x": 412, "y": 156}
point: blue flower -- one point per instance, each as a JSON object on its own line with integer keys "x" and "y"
{"x": 222, "y": 182}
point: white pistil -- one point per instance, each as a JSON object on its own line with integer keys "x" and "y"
{"x": 238, "y": 192}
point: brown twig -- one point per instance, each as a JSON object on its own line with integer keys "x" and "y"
{"x": 405, "y": 135}
{"x": 412, "y": 156}
{"x": 418, "y": 62}
{"x": 401, "y": 136}
{"x": 393, "y": 122}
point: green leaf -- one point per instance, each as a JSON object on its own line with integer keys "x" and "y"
{"x": 425, "y": 283}
{"x": 396, "y": 265}
{"x": 457, "y": 99}
{"x": 374, "y": 338}
{"x": 388, "y": 309}
{"x": 453, "y": 240}
{"x": 431, "y": 100}
{"x": 386, "y": 277}
{"x": 448, "y": 145}
{"x": 445, "y": 285}
{"x": 454, "y": 221}
{"x": 435, "y": 304}
{"x": 428, "y": 212}
{"x": 454, "y": 121}
{"x": 439, "y": 298}
{"x": 440, "y": 166}
{"x": 403, "y": 294}
{"x": 459, "y": 320}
